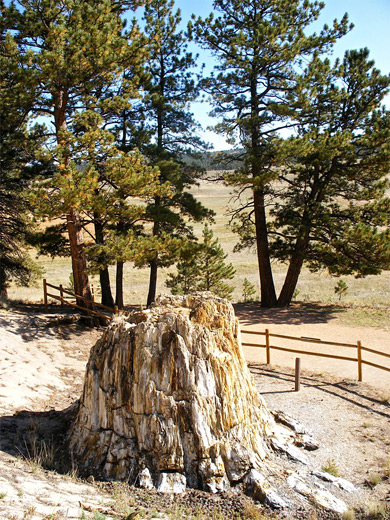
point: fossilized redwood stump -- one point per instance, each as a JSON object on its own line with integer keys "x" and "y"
{"x": 169, "y": 401}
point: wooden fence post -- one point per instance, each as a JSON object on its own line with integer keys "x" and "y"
{"x": 359, "y": 355}
{"x": 268, "y": 351}
{"x": 62, "y": 295}
{"x": 297, "y": 374}
{"x": 45, "y": 293}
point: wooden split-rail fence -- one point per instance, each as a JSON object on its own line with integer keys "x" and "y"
{"x": 65, "y": 297}
{"x": 358, "y": 356}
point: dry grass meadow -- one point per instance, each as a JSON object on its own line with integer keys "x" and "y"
{"x": 366, "y": 302}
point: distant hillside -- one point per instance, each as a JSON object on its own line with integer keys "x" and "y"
{"x": 221, "y": 160}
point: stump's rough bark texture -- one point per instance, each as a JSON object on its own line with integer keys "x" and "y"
{"x": 168, "y": 395}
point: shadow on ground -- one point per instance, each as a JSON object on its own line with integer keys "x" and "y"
{"x": 37, "y": 322}
{"x": 32, "y": 321}
{"x": 296, "y": 314}
{"x": 354, "y": 393}
{"x": 39, "y": 438}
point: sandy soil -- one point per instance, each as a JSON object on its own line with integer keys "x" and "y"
{"x": 42, "y": 363}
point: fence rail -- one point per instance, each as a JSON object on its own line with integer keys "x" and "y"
{"x": 89, "y": 308}
{"x": 358, "y": 358}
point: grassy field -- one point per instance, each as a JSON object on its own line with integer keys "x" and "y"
{"x": 371, "y": 292}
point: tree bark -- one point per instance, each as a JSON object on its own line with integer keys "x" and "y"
{"x": 79, "y": 263}
{"x": 152, "y": 282}
{"x": 119, "y": 285}
{"x": 105, "y": 286}
{"x": 75, "y": 231}
{"x": 294, "y": 270}
{"x": 104, "y": 275}
{"x": 3, "y": 284}
{"x": 154, "y": 262}
{"x": 297, "y": 258}
{"x": 267, "y": 287}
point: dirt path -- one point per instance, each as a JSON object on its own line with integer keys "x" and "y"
{"x": 297, "y": 321}
{"x": 351, "y": 420}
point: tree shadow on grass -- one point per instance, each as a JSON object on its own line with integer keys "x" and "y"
{"x": 296, "y": 314}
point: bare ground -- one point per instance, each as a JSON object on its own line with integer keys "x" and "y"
{"x": 42, "y": 363}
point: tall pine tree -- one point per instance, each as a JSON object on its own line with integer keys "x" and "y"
{"x": 75, "y": 49}
{"x": 168, "y": 129}
{"x": 259, "y": 46}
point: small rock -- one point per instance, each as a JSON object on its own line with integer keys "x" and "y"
{"x": 307, "y": 442}
{"x": 321, "y": 496}
{"x": 259, "y": 489}
{"x": 145, "y": 479}
{"x": 216, "y": 485}
{"x": 291, "y": 451}
{"x": 171, "y": 483}
{"x": 303, "y": 438}
{"x": 290, "y": 422}
{"x": 274, "y": 501}
{"x": 323, "y": 475}
{"x": 341, "y": 483}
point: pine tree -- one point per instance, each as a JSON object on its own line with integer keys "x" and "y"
{"x": 248, "y": 290}
{"x": 203, "y": 268}
{"x": 75, "y": 50}
{"x": 333, "y": 211}
{"x": 17, "y": 166}
{"x": 168, "y": 129}
{"x": 101, "y": 182}
{"x": 123, "y": 178}
{"x": 259, "y": 45}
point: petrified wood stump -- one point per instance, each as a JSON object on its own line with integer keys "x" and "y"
{"x": 169, "y": 402}
{"x": 168, "y": 399}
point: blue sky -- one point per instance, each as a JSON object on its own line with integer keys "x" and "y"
{"x": 372, "y": 29}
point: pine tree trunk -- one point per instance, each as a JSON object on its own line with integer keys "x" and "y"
{"x": 267, "y": 287}
{"x": 105, "y": 285}
{"x": 79, "y": 264}
{"x": 104, "y": 275}
{"x": 293, "y": 272}
{"x": 154, "y": 263}
{"x": 3, "y": 284}
{"x": 152, "y": 282}
{"x": 119, "y": 285}
{"x": 75, "y": 231}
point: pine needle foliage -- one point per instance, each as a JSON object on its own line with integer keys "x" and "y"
{"x": 203, "y": 268}
{"x": 75, "y": 51}
{"x": 17, "y": 167}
